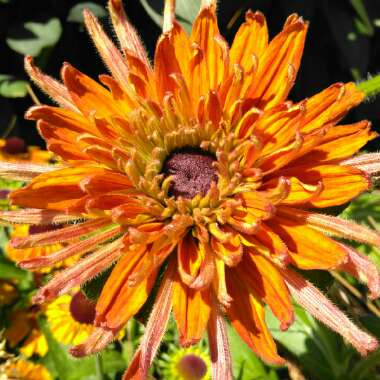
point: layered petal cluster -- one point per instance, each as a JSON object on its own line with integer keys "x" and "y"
{"x": 226, "y": 251}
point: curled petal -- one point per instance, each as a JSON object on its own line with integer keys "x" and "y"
{"x": 311, "y": 299}
{"x": 359, "y": 266}
{"x": 96, "y": 342}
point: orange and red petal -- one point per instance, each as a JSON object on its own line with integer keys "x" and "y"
{"x": 246, "y": 314}
{"x": 308, "y": 248}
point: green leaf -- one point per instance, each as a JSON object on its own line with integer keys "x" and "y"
{"x": 320, "y": 352}
{"x": 9, "y": 271}
{"x": 32, "y": 37}
{"x": 76, "y": 12}
{"x": 246, "y": 365}
{"x": 11, "y": 87}
{"x": 363, "y": 23}
{"x": 186, "y": 11}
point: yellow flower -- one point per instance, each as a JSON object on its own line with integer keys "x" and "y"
{"x": 24, "y": 329}
{"x": 8, "y": 293}
{"x": 201, "y": 169}
{"x": 71, "y": 318}
{"x": 18, "y": 255}
{"x": 191, "y": 363}
{"x": 24, "y": 370}
{"x": 15, "y": 149}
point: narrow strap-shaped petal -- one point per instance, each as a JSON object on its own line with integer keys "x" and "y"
{"x": 107, "y": 50}
{"x": 360, "y": 266}
{"x": 158, "y": 320}
{"x": 332, "y": 225}
{"x": 308, "y": 248}
{"x": 62, "y": 235}
{"x": 311, "y": 299}
{"x": 37, "y": 216}
{"x": 81, "y": 272}
{"x": 24, "y": 171}
{"x": 369, "y": 163}
{"x": 56, "y": 90}
{"x": 221, "y": 361}
{"x": 78, "y": 248}
{"x": 126, "y": 33}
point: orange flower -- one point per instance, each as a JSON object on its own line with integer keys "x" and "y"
{"x": 199, "y": 167}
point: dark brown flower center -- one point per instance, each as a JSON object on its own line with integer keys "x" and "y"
{"x": 14, "y": 145}
{"x": 192, "y": 170}
{"x": 192, "y": 367}
{"x": 82, "y": 309}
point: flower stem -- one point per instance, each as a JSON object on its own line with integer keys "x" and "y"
{"x": 370, "y": 87}
{"x": 99, "y": 367}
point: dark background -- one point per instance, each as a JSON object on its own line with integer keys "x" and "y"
{"x": 343, "y": 44}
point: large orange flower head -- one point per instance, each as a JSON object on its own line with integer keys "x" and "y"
{"x": 197, "y": 175}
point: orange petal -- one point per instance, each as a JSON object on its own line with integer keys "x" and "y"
{"x": 268, "y": 285}
{"x": 205, "y": 34}
{"x": 332, "y": 225}
{"x": 330, "y": 105}
{"x": 279, "y": 64}
{"x": 340, "y": 142}
{"x": 189, "y": 259}
{"x": 58, "y": 190}
{"x": 250, "y": 40}
{"x": 191, "y": 310}
{"x": 247, "y": 317}
{"x": 88, "y": 95}
{"x": 128, "y": 300}
{"x": 340, "y": 184}
{"x": 308, "y": 248}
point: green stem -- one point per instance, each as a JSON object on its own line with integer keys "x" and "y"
{"x": 99, "y": 367}
{"x": 370, "y": 87}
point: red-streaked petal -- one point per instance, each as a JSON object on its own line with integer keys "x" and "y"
{"x": 247, "y": 317}
{"x": 311, "y": 299}
{"x": 308, "y": 248}
{"x": 340, "y": 184}
{"x": 191, "y": 309}
{"x": 268, "y": 285}
{"x": 36, "y": 216}
{"x": 279, "y": 64}
{"x": 369, "y": 163}
{"x": 250, "y": 40}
